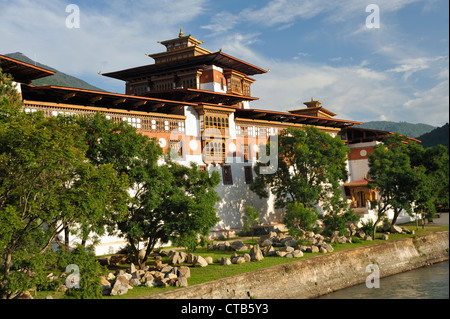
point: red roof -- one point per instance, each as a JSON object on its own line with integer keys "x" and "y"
{"x": 21, "y": 71}
{"x": 359, "y": 182}
{"x": 217, "y": 58}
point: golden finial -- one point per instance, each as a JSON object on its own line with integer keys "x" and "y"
{"x": 181, "y": 35}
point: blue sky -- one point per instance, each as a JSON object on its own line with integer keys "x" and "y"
{"x": 321, "y": 48}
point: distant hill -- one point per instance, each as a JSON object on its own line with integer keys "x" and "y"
{"x": 437, "y": 136}
{"x": 59, "y": 79}
{"x": 404, "y": 128}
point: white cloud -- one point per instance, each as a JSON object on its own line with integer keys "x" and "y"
{"x": 431, "y": 104}
{"x": 413, "y": 65}
{"x": 112, "y": 36}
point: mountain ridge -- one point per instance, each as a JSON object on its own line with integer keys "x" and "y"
{"x": 403, "y": 128}
{"x": 438, "y": 136}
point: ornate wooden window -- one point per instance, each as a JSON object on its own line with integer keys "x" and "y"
{"x": 214, "y": 151}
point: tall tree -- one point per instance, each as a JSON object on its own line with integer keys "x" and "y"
{"x": 177, "y": 204}
{"x": 311, "y": 164}
{"x": 168, "y": 201}
{"x": 46, "y": 184}
{"x": 399, "y": 182}
{"x": 434, "y": 191}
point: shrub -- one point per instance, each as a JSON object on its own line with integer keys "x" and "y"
{"x": 339, "y": 222}
{"x": 90, "y": 270}
{"x": 368, "y": 227}
{"x": 299, "y": 219}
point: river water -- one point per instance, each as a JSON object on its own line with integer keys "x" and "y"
{"x": 429, "y": 282}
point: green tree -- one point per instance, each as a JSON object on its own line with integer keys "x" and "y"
{"x": 434, "y": 189}
{"x": 177, "y": 204}
{"x": 400, "y": 184}
{"x": 311, "y": 166}
{"x": 169, "y": 202}
{"x": 300, "y": 218}
{"x": 10, "y": 99}
{"x": 45, "y": 182}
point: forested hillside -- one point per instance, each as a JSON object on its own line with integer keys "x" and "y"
{"x": 404, "y": 128}
{"x": 436, "y": 137}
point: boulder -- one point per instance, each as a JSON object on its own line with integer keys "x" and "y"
{"x": 256, "y": 254}
{"x": 158, "y": 264}
{"x": 111, "y": 276}
{"x": 170, "y": 276}
{"x": 247, "y": 257}
{"x": 226, "y": 261}
{"x": 368, "y": 238}
{"x": 163, "y": 282}
{"x": 178, "y": 257}
{"x": 135, "y": 282}
{"x": 268, "y": 251}
{"x": 281, "y": 253}
{"x": 209, "y": 260}
{"x": 396, "y": 229}
{"x": 290, "y": 243}
{"x": 120, "y": 286}
{"x": 127, "y": 276}
{"x": 238, "y": 260}
{"x": 200, "y": 261}
{"x": 314, "y": 249}
{"x": 182, "y": 256}
{"x": 166, "y": 269}
{"x": 286, "y": 239}
{"x": 174, "y": 258}
{"x": 184, "y": 271}
{"x": 385, "y": 237}
{"x": 304, "y": 248}
{"x": 181, "y": 282}
{"x": 287, "y": 249}
{"x": 266, "y": 243}
{"x": 297, "y": 253}
{"x": 150, "y": 282}
{"x": 360, "y": 234}
{"x": 323, "y": 250}
{"x": 106, "y": 286}
{"x": 328, "y": 247}
{"x": 309, "y": 234}
{"x": 190, "y": 258}
{"x": 238, "y": 246}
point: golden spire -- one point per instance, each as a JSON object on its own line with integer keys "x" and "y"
{"x": 181, "y": 35}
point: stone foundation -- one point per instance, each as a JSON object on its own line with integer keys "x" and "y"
{"x": 319, "y": 275}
